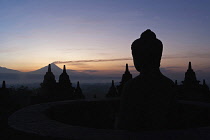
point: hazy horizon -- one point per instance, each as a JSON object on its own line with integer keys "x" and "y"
{"x": 34, "y": 78}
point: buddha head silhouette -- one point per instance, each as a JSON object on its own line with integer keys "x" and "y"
{"x": 147, "y": 52}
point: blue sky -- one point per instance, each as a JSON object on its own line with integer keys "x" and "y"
{"x": 34, "y": 33}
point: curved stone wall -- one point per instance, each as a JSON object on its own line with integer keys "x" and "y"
{"x": 56, "y": 120}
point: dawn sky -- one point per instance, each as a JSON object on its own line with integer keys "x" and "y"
{"x": 34, "y": 33}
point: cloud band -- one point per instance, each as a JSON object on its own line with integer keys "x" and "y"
{"x": 93, "y": 60}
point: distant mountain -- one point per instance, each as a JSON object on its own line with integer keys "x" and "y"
{"x": 55, "y": 69}
{"x": 6, "y": 70}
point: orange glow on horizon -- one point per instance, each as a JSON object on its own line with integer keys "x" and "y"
{"x": 175, "y": 64}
